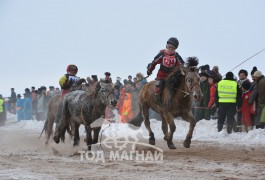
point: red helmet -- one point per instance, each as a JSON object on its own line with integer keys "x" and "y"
{"x": 72, "y": 69}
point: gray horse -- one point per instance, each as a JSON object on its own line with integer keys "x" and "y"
{"x": 79, "y": 107}
{"x": 55, "y": 105}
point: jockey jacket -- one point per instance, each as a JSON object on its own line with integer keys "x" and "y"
{"x": 63, "y": 81}
{"x": 168, "y": 62}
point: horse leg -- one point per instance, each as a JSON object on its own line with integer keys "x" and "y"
{"x": 147, "y": 125}
{"x": 95, "y": 135}
{"x": 189, "y": 117}
{"x": 164, "y": 127}
{"x": 88, "y": 137}
{"x": 50, "y": 121}
{"x": 172, "y": 127}
{"x": 76, "y": 135}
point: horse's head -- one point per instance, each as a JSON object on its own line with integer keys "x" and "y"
{"x": 105, "y": 91}
{"x": 193, "y": 79}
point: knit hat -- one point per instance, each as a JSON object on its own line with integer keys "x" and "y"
{"x": 257, "y": 74}
{"x": 229, "y": 75}
{"x": 246, "y": 85}
{"x": 243, "y": 71}
{"x": 254, "y": 70}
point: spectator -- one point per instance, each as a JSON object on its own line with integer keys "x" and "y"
{"x": 130, "y": 80}
{"x": 52, "y": 91}
{"x": 13, "y": 101}
{"x": 246, "y": 119}
{"x": 261, "y": 96}
{"x": 126, "y": 109}
{"x": 27, "y": 107}
{"x": 228, "y": 98}
{"x": 202, "y": 111}
{"x": 19, "y": 108}
{"x": 242, "y": 74}
{"x": 2, "y": 111}
{"x": 217, "y": 73}
{"x": 139, "y": 77}
{"x": 211, "y": 105}
{"x": 118, "y": 83}
{"x": 34, "y": 99}
{"x": 107, "y": 77}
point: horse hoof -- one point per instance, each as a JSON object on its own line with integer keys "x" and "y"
{"x": 186, "y": 144}
{"x": 56, "y": 140}
{"x": 76, "y": 143}
{"x": 152, "y": 141}
{"x": 171, "y": 145}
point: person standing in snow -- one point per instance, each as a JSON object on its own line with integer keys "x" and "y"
{"x": 2, "y": 111}
{"x": 19, "y": 105}
{"x": 228, "y": 100}
{"x": 27, "y": 107}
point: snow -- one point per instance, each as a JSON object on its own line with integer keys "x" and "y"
{"x": 205, "y": 130}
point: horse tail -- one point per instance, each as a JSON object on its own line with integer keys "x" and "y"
{"x": 44, "y": 128}
{"x": 137, "y": 120}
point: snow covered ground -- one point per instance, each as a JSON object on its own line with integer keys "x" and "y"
{"x": 213, "y": 155}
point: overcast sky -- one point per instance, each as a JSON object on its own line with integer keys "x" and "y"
{"x": 39, "y": 38}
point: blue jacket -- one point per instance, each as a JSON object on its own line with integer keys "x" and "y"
{"x": 27, "y": 108}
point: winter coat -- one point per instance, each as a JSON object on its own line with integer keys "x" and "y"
{"x": 13, "y": 98}
{"x": 205, "y": 88}
{"x": 261, "y": 90}
{"x": 27, "y": 109}
{"x": 126, "y": 110}
{"x": 19, "y": 105}
{"x": 245, "y": 109}
{"x": 212, "y": 95}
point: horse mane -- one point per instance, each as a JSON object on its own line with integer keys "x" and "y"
{"x": 173, "y": 82}
{"x": 192, "y": 63}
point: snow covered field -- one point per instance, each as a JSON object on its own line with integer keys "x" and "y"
{"x": 212, "y": 155}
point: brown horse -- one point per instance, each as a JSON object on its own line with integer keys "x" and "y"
{"x": 181, "y": 87}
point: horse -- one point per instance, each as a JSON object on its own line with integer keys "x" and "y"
{"x": 181, "y": 88}
{"x": 53, "y": 107}
{"x": 80, "y": 107}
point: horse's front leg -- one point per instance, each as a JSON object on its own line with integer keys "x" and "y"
{"x": 147, "y": 125}
{"x": 88, "y": 137}
{"x": 189, "y": 117}
{"x": 172, "y": 127}
{"x": 95, "y": 135}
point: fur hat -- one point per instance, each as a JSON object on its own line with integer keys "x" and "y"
{"x": 204, "y": 74}
{"x": 257, "y": 74}
{"x": 229, "y": 75}
{"x": 246, "y": 85}
{"x": 19, "y": 96}
{"x": 243, "y": 71}
{"x": 254, "y": 70}
{"x": 107, "y": 74}
{"x": 95, "y": 77}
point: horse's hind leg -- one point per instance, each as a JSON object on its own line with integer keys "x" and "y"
{"x": 189, "y": 117}
{"x": 147, "y": 125}
{"x": 50, "y": 121}
{"x": 76, "y": 135}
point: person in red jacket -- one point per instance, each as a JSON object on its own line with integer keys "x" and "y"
{"x": 169, "y": 60}
{"x": 245, "y": 109}
{"x": 212, "y": 79}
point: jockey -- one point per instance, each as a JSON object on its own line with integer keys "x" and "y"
{"x": 68, "y": 80}
{"x": 169, "y": 60}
